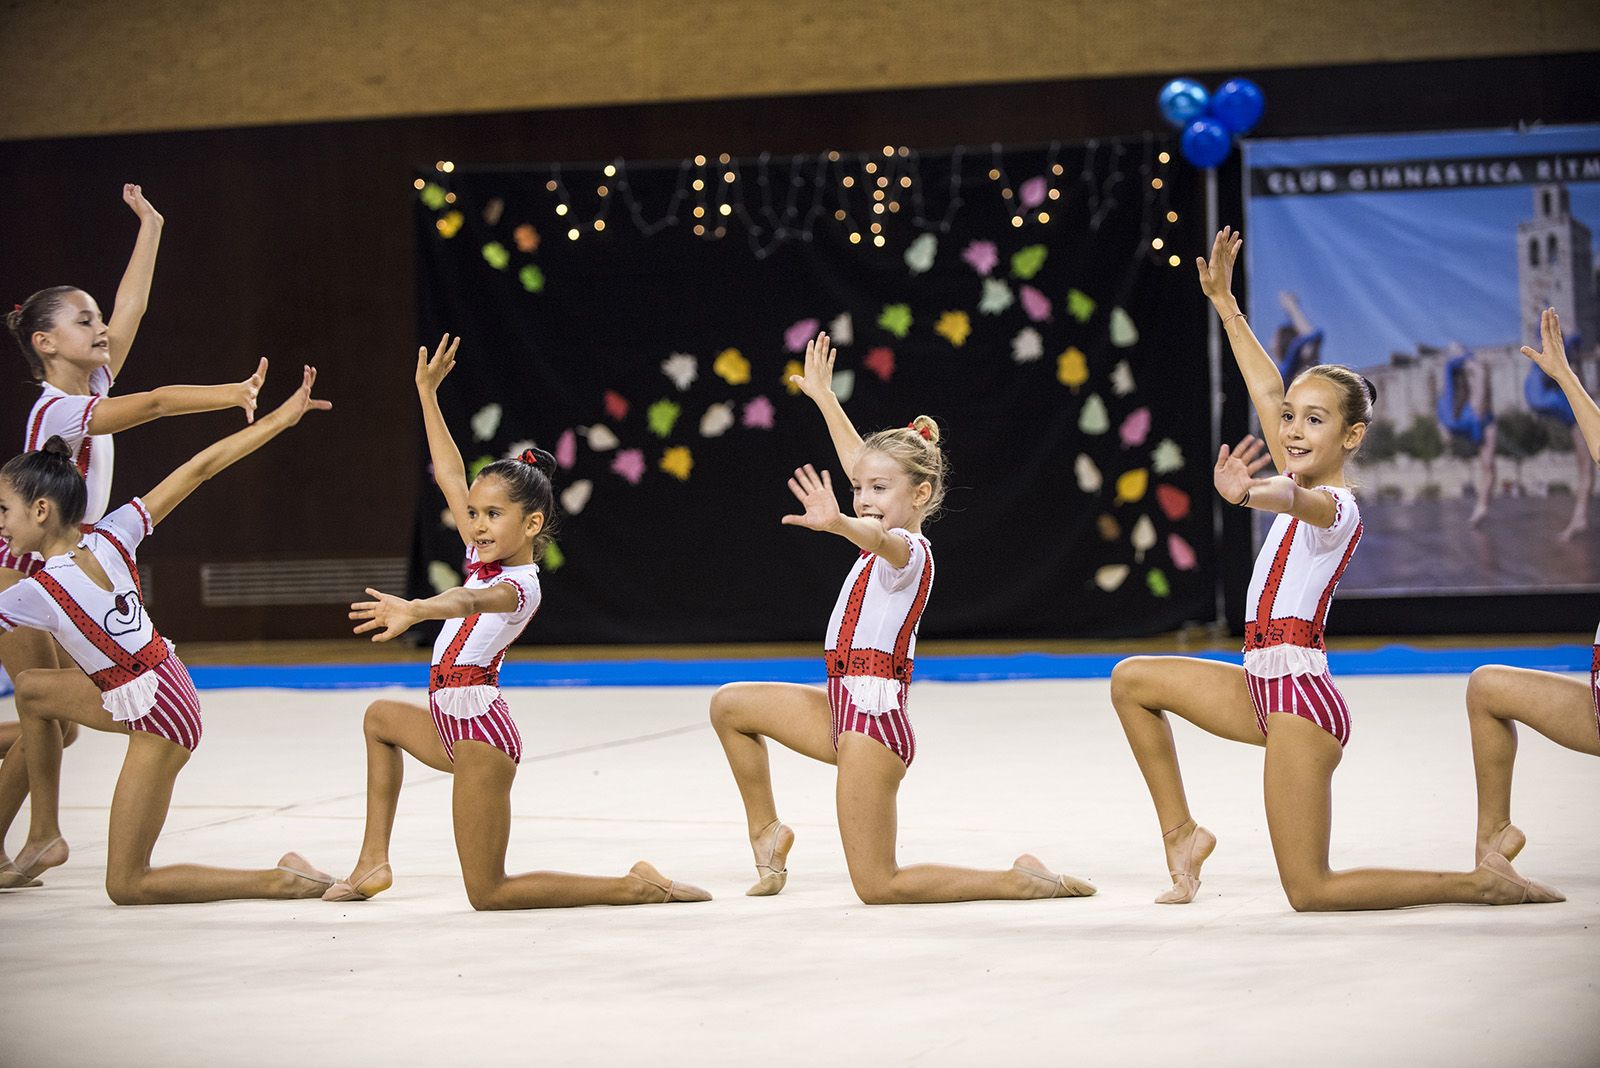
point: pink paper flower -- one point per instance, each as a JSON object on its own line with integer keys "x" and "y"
{"x": 758, "y": 414}
{"x": 981, "y": 256}
{"x": 629, "y": 463}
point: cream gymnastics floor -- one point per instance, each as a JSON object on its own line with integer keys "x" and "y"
{"x": 613, "y": 775}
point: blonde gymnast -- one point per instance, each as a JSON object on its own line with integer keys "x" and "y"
{"x": 859, "y": 723}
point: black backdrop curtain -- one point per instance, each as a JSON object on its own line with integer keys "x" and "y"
{"x": 1022, "y": 297}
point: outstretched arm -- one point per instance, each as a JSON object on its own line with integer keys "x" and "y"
{"x": 1261, "y": 375}
{"x": 133, "y": 294}
{"x": 114, "y": 414}
{"x": 822, "y": 513}
{"x": 392, "y": 616}
{"x": 448, "y": 470}
{"x": 1237, "y": 482}
{"x": 1553, "y": 362}
{"x": 817, "y": 383}
{"x": 220, "y": 455}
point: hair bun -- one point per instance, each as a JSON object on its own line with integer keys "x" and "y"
{"x": 926, "y": 429}
{"x": 57, "y": 446}
{"x": 540, "y": 460}
{"x": 1372, "y": 390}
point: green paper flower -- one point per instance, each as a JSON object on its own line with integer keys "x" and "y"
{"x": 496, "y": 255}
{"x": 433, "y": 196}
{"x": 896, "y": 319}
{"x": 1025, "y": 263}
{"x": 532, "y": 278}
{"x": 662, "y": 416}
{"x": 1080, "y": 305}
{"x": 478, "y": 465}
{"x": 553, "y": 558}
{"x": 1157, "y": 581}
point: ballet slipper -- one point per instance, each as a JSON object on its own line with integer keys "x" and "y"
{"x": 301, "y": 868}
{"x": 1186, "y": 876}
{"x": 1508, "y": 842}
{"x": 12, "y": 879}
{"x": 1533, "y": 891}
{"x": 646, "y": 872}
{"x": 772, "y": 879}
{"x": 1060, "y": 885}
{"x": 44, "y": 859}
{"x": 373, "y": 883}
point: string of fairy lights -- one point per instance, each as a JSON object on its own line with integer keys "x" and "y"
{"x": 864, "y": 193}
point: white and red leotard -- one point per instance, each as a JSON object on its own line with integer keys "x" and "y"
{"x": 872, "y": 643}
{"x": 67, "y": 416}
{"x": 1291, "y": 590}
{"x": 463, "y": 683}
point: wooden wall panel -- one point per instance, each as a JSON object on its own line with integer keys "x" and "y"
{"x": 75, "y": 67}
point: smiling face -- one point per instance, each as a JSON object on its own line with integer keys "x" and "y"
{"x": 883, "y": 490}
{"x": 1315, "y": 438}
{"x": 500, "y": 530}
{"x": 24, "y": 524}
{"x": 78, "y": 336}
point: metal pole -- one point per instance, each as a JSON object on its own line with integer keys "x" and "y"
{"x": 1214, "y": 354}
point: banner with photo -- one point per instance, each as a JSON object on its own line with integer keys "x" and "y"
{"x": 1424, "y": 260}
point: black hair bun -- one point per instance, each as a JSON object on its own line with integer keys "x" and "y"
{"x": 57, "y": 446}
{"x": 540, "y": 460}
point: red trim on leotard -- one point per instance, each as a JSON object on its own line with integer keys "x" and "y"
{"x": 1266, "y": 631}
{"x": 38, "y": 421}
{"x": 842, "y": 657}
{"x": 902, "y": 645}
{"x": 126, "y": 666}
{"x": 448, "y": 673}
{"x": 127, "y": 557}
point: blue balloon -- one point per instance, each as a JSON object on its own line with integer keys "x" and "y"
{"x": 1183, "y": 100}
{"x": 1206, "y": 143}
{"x": 1238, "y": 104}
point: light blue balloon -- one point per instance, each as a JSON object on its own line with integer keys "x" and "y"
{"x": 1206, "y": 142}
{"x": 1182, "y": 101}
{"x": 1238, "y": 104}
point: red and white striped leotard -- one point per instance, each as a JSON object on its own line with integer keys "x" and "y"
{"x": 1291, "y": 590}
{"x": 872, "y": 643}
{"x": 463, "y": 683}
{"x": 67, "y": 416}
{"x": 108, "y": 633}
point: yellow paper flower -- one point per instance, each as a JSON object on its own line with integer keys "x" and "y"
{"x": 954, "y": 326}
{"x": 793, "y": 367}
{"x": 1132, "y": 485}
{"x": 677, "y": 462}
{"x": 731, "y": 366}
{"x": 450, "y": 224}
{"x": 1072, "y": 369}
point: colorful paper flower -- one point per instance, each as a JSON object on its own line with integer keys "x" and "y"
{"x": 1181, "y": 552}
{"x": 1109, "y": 528}
{"x": 677, "y": 462}
{"x": 1173, "y": 502}
{"x": 842, "y": 331}
{"x": 954, "y": 327}
{"x": 600, "y": 438}
{"x": 496, "y": 255}
{"x": 792, "y": 370}
{"x": 1123, "y": 332}
{"x": 475, "y": 466}
{"x": 662, "y": 416}
{"x": 996, "y": 297}
{"x": 1131, "y": 486}
{"x": 1027, "y": 262}
{"x": 1122, "y": 379}
{"x": 554, "y": 558}
{"x": 981, "y": 256}
{"x": 717, "y": 420}
{"x": 493, "y": 210}
{"x": 576, "y": 496}
{"x": 896, "y": 319}
{"x": 1088, "y": 475}
{"x": 1157, "y": 581}
{"x": 1167, "y": 457}
{"x": 1033, "y": 191}
{"x": 441, "y": 576}
{"x": 616, "y": 406}
{"x": 485, "y": 421}
{"x": 1094, "y": 419}
{"x": 1027, "y": 346}
{"x": 921, "y": 252}
{"x": 757, "y": 414}
{"x": 731, "y": 366}
{"x": 1135, "y": 428}
{"x": 629, "y": 463}
{"x": 1144, "y": 537}
{"x": 795, "y": 338}
{"x": 432, "y": 195}
{"x": 1035, "y": 303}
{"x": 880, "y": 361}
{"x": 1111, "y": 577}
{"x": 526, "y": 237}
{"x": 449, "y": 225}
{"x": 532, "y": 278}
{"x": 844, "y": 385}
{"x": 1072, "y": 371}
{"x": 1080, "y": 305}
{"x": 681, "y": 369}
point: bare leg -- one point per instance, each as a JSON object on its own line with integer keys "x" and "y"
{"x": 24, "y": 650}
{"x": 869, "y": 780}
{"x": 482, "y": 806}
{"x": 1301, "y": 758}
{"x": 391, "y": 728}
{"x": 1581, "y": 491}
{"x": 1211, "y": 695}
{"x": 138, "y": 811}
{"x": 1498, "y": 697}
{"x": 745, "y": 714}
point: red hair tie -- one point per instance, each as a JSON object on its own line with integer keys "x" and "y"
{"x": 529, "y": 457}
{"x": 16, "y": 307}
{"x": 927, "y": 435}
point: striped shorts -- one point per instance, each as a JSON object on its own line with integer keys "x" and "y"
{"x": 176, "y": 713}
{"x": 494, "y": 727}
{"x": 1312, "y": 697}
{"x": 892, "y": 729}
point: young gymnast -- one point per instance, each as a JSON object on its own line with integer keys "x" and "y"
{"x": 75, "y": 356}
{"x": 1498, "y": 698}
{"x": 859, "y": 723}
{"x": 1283, "y": 698}
{"x": 87, "y": 596}
{"x": 504, "y": 517}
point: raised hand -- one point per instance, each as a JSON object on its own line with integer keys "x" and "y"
{"x": 817, "y": 381}
{"x": 1216, "y": 277}
{"x": 815, "y": 494}
{"x": 1553, "y": 359}
{"x": 250, "y": 389}
{"x": 389, "y": 615}
{"x": 432, "y": 371}
{"x": 301, "y": 400}
{"x": 133, "y": 196}
{"x": 1235, "y": 475}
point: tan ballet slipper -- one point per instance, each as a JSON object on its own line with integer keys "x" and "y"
{"x": 646, "y": 872}
{"x": 1060, "y": 885}
{"x": 1533, "y": 891}
{"x": 771, "y": 878}
{"x": 1186, "y": 876}
{"x": 373, "y": 883}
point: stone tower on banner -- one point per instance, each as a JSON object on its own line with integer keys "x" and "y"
{"x": 1555, "y": 268}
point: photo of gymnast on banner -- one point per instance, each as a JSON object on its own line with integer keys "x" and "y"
{"x": 1424, "y": 261}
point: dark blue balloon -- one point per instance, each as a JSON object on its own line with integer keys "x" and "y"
{"x": 1183, "y": 100}
{"x": 1238, "y": 104}
{"x": 1206, "y": 143}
